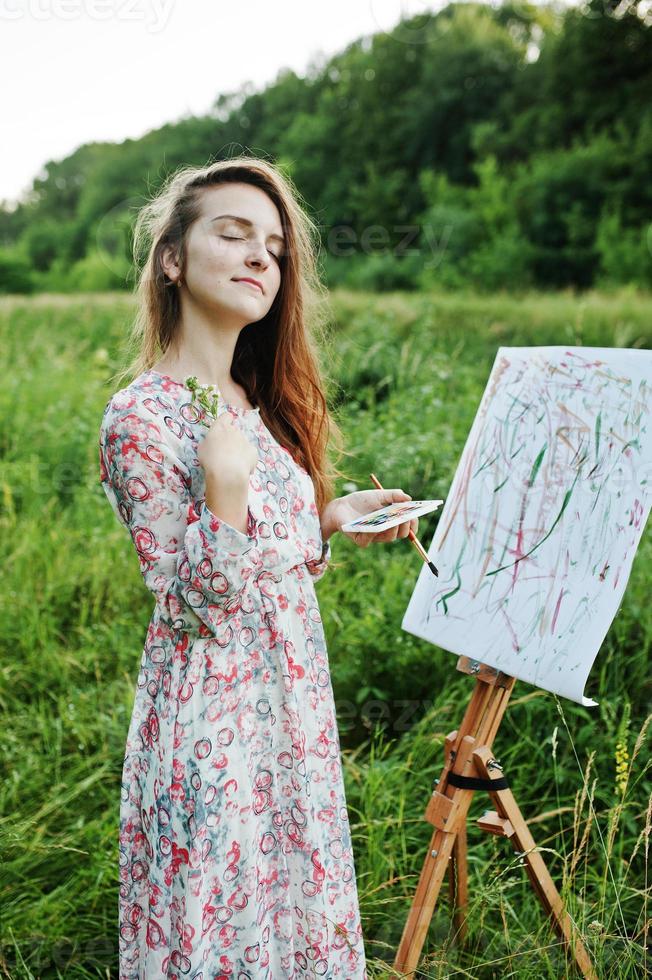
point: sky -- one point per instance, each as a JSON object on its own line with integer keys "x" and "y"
{"x": 74, "y": 71}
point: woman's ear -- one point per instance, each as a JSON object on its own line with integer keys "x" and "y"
{"x": 170, "y": 263}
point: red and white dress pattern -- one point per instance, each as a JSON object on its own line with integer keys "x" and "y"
{"x": 235, "y": 845}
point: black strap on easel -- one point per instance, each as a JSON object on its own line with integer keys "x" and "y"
{"x": 474, "y": 782}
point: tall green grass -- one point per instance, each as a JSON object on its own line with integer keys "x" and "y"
{"x": 406, "y": 374}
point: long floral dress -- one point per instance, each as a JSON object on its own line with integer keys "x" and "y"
{"x": 235, "y": 845}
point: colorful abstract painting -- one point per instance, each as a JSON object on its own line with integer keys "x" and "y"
{"x": 538, "y": 533}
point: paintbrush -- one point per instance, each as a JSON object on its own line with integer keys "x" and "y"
{"x": 412, "y": 536}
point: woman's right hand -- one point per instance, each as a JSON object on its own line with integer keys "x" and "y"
{"x": 225, "y": 453}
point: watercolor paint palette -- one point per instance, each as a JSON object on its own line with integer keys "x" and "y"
{"x": 391, "y": 515}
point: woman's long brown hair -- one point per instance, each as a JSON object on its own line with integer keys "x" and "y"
{"x": 277, "y": 359}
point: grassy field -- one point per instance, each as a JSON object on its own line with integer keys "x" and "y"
{"x": 408, "y": 372}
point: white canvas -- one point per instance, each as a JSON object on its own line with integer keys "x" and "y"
{"x": 537, "y": 536}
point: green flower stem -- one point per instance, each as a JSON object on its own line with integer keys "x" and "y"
{"x": 206, "y": 397}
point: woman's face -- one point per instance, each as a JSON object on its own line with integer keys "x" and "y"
{"x": 220, "y": 250}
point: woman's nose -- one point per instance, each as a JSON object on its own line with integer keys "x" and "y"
{"x": 259, "y": 254}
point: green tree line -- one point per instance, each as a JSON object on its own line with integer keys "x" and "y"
{"x": 503, "y": 147}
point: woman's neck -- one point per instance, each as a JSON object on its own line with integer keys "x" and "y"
{"x": 232, "y": 393}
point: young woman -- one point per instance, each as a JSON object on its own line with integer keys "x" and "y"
{"x": 235, "y": 847}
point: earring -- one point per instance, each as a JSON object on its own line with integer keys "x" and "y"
{"x": 179, "y": 281}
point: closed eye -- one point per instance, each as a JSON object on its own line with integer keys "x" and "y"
{"x": 234, "y": 238}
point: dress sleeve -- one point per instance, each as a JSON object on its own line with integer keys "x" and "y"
{"x": 318, "y": 566}
{"x": 197, "y": 565}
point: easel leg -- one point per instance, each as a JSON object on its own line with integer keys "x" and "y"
{"x": 457, "y": 867}
{"x": 458, "y": 890}
{"x": 515, "y": 827}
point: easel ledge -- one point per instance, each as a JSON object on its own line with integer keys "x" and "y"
{"x": 469, "y": 765}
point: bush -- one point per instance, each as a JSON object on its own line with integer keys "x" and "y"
{"x": 96, "y": 272}
{"x": 625, "y": 253}
{"x": 15, "y": 272}
{"x": 504, "y": 262}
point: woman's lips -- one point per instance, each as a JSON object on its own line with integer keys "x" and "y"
{"x": 247, "y": 282}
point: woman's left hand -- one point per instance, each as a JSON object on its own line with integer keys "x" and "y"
{"x": 355, "y": 505}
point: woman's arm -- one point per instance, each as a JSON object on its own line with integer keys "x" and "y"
{"x": 327, "y": 522}
{"x": 199, "y": 566}
{"x": 318, "y": 566}
{"x": 229, "y": 502}
{"x": 341, "y": 510}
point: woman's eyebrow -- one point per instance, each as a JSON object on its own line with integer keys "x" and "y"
{"x": 248, "y": 223}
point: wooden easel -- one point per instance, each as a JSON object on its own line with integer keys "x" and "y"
{"x": 469, "y": 765}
